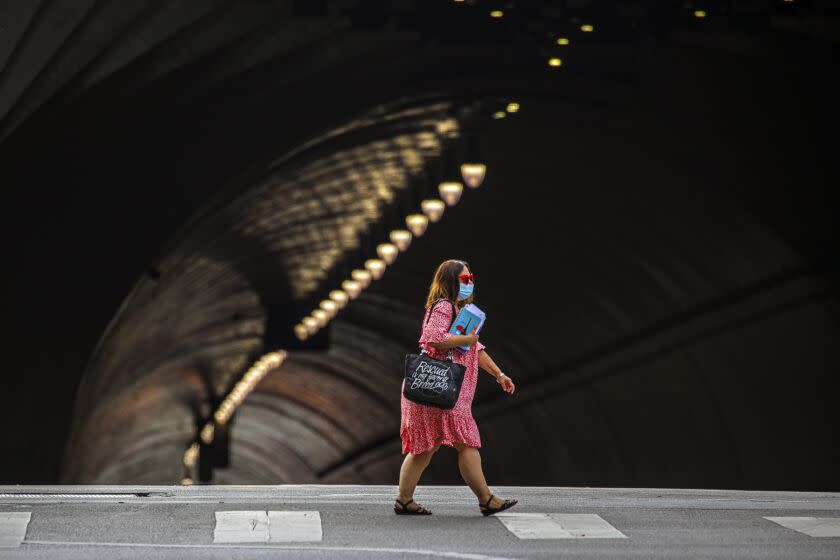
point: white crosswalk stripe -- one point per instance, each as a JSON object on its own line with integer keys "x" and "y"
{"x": 241, "y": 526}
{"x": 811, "y": 526}
{"x": 559, "y": 526}
{"x": 13, "y": 526}
{"x": 295, "y": 526}
{"x": 267, "y": 526}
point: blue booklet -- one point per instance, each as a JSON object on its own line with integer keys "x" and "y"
{"x": 467, "y": 319}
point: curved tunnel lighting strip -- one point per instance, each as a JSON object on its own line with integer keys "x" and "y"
{"x": 266, "y": 363}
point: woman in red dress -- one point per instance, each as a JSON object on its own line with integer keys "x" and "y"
{"x": 424, "y": 429}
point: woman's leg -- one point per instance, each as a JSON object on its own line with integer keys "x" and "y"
{"x": 412, "y": 467}
{"x": 469, "y": 463}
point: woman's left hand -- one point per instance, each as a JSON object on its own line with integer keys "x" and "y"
{"x": 506, "y": 383}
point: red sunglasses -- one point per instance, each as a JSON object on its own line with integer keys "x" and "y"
{"x": 466, "y": 278}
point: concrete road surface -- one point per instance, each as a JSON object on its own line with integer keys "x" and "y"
{"x": 312, "y": 521}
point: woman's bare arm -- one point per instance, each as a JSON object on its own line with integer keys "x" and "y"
{"x": 456, "y": 340}
{"x": 486, "y": 363}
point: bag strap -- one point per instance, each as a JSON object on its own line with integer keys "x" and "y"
{"x": 432, "y": 308}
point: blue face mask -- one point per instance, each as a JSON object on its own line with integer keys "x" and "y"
{"x": 465, "y": 291}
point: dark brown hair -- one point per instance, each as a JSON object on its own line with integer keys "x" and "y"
{"x": 445, "y": 283}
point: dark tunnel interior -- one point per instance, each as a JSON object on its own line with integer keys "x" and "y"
{"x": 655, "y": 243}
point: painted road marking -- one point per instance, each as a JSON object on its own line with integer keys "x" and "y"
{"x": 267, "y": 526}
{"x": 559, "y": 526}
{"x": 811, "y": 526}
{"x": 13, "y": 526}
{"x": 241, "y": 526}
{"x": 294, "y": 526}
{"x": 357, "y": 549}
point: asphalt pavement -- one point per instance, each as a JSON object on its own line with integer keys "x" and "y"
{"x": 315, "y": 521}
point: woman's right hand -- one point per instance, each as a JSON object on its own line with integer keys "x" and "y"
{"x": 472, "y": 338}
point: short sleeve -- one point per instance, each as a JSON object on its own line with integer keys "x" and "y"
{"x": 436, "y": 329}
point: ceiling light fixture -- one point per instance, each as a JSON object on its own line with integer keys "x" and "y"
{"x": 473, "y": 174}
{"x": 329, "y": 306}
{"x": 363, "y": 277}
{"x": 311, "y": 324}
{"x": 301, "y": 332}
{"x": 433, "y": 208}
{"x": 401, "y": 238}
{"x": 450, "y": 192}
{"x": 352, "y": 288}
{"x": 376, "y": 267}
{"x": 321, "y": 316}
{"x": 417, "y": 224}
{"x": 339, "y": 297}
{"x": 387, "y": 252}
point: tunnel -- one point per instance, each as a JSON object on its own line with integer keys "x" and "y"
{"x": 654, "y": 242}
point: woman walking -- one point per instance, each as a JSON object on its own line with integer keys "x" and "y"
{"x": 424, "y": 429}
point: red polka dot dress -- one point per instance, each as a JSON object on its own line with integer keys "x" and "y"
{"x": 421, "y": 425}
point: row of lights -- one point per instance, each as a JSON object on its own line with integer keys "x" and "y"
{"x": 240, "y": 391}
{"x": 431, "y": 210}
{"x": 554, "y": 61}
{"x": 510, "y": 108}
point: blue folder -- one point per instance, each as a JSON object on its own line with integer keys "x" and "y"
{"x": 467, "y": 319}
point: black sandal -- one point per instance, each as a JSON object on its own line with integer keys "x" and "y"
{"x": 405, "y": 511}
{"x": 487, "y": 510}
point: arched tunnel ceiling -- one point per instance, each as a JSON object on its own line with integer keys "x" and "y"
{"x": 639, "y": 246}
{"x": 203, "y": 306}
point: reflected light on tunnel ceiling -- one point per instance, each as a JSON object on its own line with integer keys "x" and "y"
{"x": 447, "y": 128}
{"x": 387, "y": 252}
{"x": 352, "y": 288}
{"x": 339, "y": 297}
{"x": 473, "y": 174}
{"x": 450, "y": 192}
{"x": 376, "y": 267}
{"x": 401, "y": 238}
{"x": 363, "y": 277}
{"x": 301, "y": 332}
{"x": 433, "y": 209}
{"x": 417, "y": 224}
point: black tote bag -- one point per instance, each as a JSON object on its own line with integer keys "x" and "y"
{"x": 433, "y": 382}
